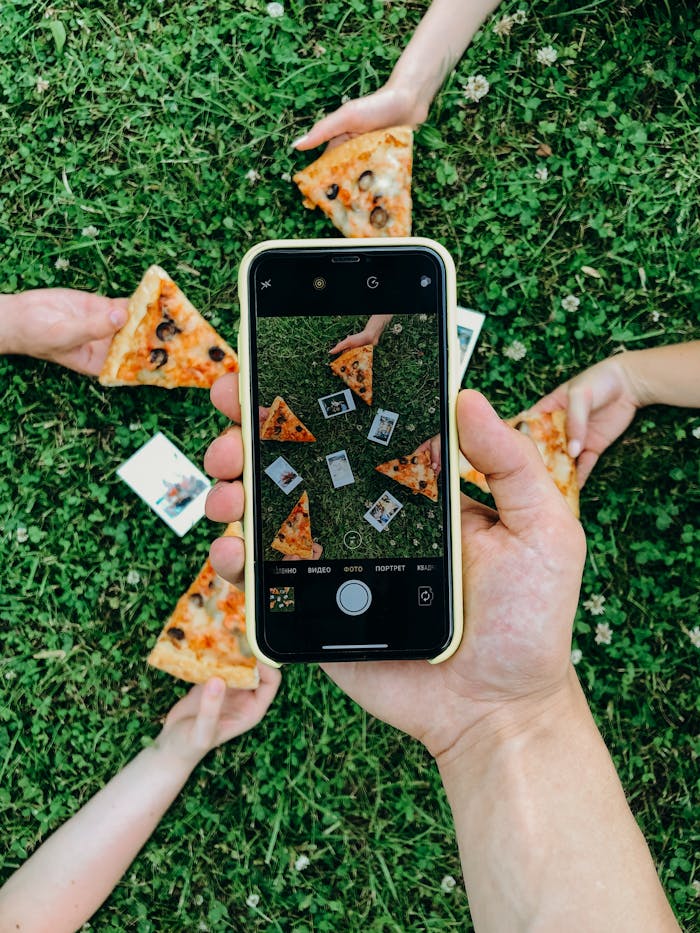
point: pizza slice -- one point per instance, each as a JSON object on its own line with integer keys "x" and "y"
{"x": 294, "y": 536}
{"x": 415, "y": 472}
{"x": 282, "y": 424}
{"x": 364, "y": 185}
{"x": 165, "y": 342}
{"x": 548, "y": 431}
{"x": 355, "y": 369}
{"x": 205, "y": 635}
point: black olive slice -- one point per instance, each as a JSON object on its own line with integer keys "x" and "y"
{"x": 342, "y": 369}
{"x": 176, "y": 633}
{"x": 298, "y": 428}
{"x": 414, "y": 459}
{"x": 379, "y": 217}
{"x": 332, "y": 192}
{"x": 197, "y": 599}
{"x": 523, "y": 427}
{"x": 281, "y": 536}
{"x": 403, "y": 459}
{"x": 216, "y": 354}
{"x": 159, "y": 357}
{"x": 167, "y": 329}
{"x": 422, "y": 483}
{"x": 364, "y": 182}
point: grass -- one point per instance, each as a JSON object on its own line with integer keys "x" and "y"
{"x": 293, "y": 363}
{"x": 153, "y": 115}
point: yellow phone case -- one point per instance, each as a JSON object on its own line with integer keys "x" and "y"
{"x": 249, "y": 417}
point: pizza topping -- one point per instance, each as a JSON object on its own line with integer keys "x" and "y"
{"x": 216, "y": 354}
{"x": 415, "y": 472}
{"x": 365, "y": 180}
{"x": 159, "y": 357}
{"x": 167, "y": 329}
{"x": 176, "y": 633}
{"x": 379, "y": 217}
{"x": 332, "y": 192}
{"x": 196, "y": 599}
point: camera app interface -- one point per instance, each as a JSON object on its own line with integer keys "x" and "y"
{"x": 352, "y": 511}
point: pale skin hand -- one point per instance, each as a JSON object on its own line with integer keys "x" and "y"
{"x": 64, "y": 882}
{"x": 63, "y": 325}
{"x": 433, "y": 445}
{"x": 546, "y": 838}
{"x": 370, "y": 334}
{"x": 601, "y": 401}
{"x": 436, "y": 46}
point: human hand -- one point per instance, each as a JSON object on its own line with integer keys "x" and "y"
{"x": 522, "y": 570}
{"x": 211, "y": 714}
{"x": 65, "y": 326}
{"x": 434, "y": 446}
{"x": 600, "y": 404}
{"x": 370, "y": 334}
{"x": 389, "y": 106}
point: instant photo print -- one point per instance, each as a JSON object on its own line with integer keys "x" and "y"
{"x": 167, "y": 482}
{"x": 374, "y": 535}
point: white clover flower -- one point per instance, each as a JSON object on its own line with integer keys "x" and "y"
{"x": 515, "y": 351}
{"x": 10, "y": 675}
{"x": 694, "y": 636}
{"x": 448, "y": 884}
{"x": 603, "y": 634}
{"x": 422, "y": 317}
{"x": 410, "y": 427}
{"x": 22, "y": 534}
{"x": 519, "y": 16}
{"x": 431, "y": 410}
{"x": 42, "y": 85}
{"x": 133, "y": 577}
{"x": 595, "y": 604}
{"x": 576, "y": 655}
{"x": 397, "y": 328}
{"x": 648, "y": 70}
{"x": 504, "y": 26}
{"x": 696, "y": 433}
{"x": 435, "y": 545}
{"x": 541, "y": 173}
{"x": 302, "y": 862}
{"x": 253, "y": 900}
{"x": 476, "y": 87}
{"x": 547, "y": 56}
{"x": 655, "y": 316}
{"x": 318, "y": 49}
{"x": 285, "y": 176}
{"x": 570, "y": 303}
{"x": 416, "y": 542}
{"x": 61, "y": 264}
{"x": 345, "y": 98}
{"x": 90, "y": 231}
{"x": 135, "y": 426}
{"x": 275, "y": 10}
{"x": 252, "y": 176}
{"x": 696, "y": 888}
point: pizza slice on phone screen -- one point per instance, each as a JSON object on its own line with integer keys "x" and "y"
{"x": 415, "y": 472}
{"x": 294, "y": 536}
{"x": 205, "y": 636}
{"x": 282, "y": 424}
{"x": 548, "y": 432}
{"x": 364, "y": 185}
{"x": 166, "y": 342}
{"x": 354, "y": 367}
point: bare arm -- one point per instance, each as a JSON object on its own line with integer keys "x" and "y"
{"x": 665, "y": 375}
{"x": 547, "y": 841}
{"x": 74, "y": 871}
{"x": 436, "y": 46}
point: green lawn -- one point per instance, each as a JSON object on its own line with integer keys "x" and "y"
{"x": 142, "y": 121}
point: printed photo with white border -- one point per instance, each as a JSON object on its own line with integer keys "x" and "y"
{"x": 468, "y": 329}
{"x": 283, "y": 475}
{"x": 339, "y": 403}
{"x": 383, "y": 426}
{"x": 339, "y": 468}
{"x": 383, "y": 511}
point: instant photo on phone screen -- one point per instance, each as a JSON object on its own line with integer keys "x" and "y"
{"x": 381, "y": 586}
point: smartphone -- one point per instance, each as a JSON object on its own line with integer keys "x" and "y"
{"x": 349, "y": 370}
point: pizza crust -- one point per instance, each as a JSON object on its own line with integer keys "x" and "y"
{"x": 147, "y": 292}
{"x": 171, "y": 660}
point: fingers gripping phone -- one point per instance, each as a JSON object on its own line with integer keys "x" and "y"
{"x": 348, "y": 381}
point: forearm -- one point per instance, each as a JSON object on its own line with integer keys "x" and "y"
{"x": 665, "y": 375}
{"x": 546, "y": 838}
{"x": 74, "y": 871}
{"x": 437, "y": 45}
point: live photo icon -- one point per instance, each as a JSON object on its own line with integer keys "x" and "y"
{"x": 425, "y": 595}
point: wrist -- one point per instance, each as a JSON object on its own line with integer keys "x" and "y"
{"x": 639, "y": 391}
{"x": 414, "y": 94}
{"x": 171, "y": 754}
{"x": 508, "y": 729}
{"x": 12, "y": 313}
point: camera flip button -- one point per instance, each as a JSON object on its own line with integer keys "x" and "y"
{"x": 353, "y": 597}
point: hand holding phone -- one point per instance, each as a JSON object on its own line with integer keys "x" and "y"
{"x": 350, "y": 350}
{"x": 522, "y": 570}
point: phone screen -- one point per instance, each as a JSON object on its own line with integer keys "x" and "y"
{"x": 349, "y": 389}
